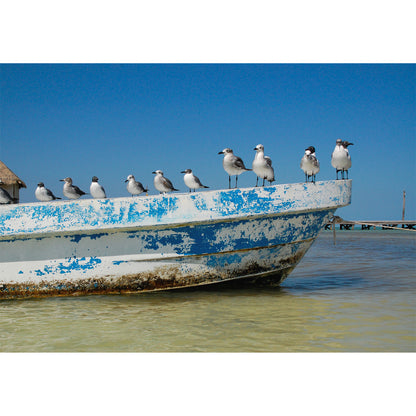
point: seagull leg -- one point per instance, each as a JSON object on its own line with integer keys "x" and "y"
{"x": 229, "y": 182}
{"x": 236, "y": 179}
{"x": 263, "y": 181}
{"x": 257, "y": 181}
{"x": 347, "y": 173}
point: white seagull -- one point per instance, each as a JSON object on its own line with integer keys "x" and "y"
{"x": 233, "y": 165}
{"x": 262, "y": 165}
{"x": 134, "y": 187}
{"x": 192, "y": 181}
{"x": 96, "y": 190}
{"x": 71, "y": 191}
{"x": 162, "y": 184}
{"x": 310, "y": 164}
{"x": 43, "y": 194}
{"x": 341, "y": 159}
{"x": 5, "y": 197}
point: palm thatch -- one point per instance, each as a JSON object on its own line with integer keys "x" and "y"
{"x": 9, "y": 178}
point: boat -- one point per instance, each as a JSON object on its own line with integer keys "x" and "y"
{"x": 137, "y": 244}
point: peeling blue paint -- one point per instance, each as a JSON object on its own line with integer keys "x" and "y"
{"x": 70, "y": 265}
{"x": 76, "y": 238}
{"x": 164, "y": 209}
{"x": 208, "y": 237}
{"x": 214, "y": 229}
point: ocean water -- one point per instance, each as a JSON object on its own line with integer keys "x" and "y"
{"x": 355, "y": 296}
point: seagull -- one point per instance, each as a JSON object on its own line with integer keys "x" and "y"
{"x": 71, "y": 191}
{"x": 262, "y": 165}
{"x": 96, "y": 190}
{"x": 134, "y": 187}
{"x": 191, "y": 181}
{"x": 5, "y": 197}
{"x": 233, "y": 165}
{"x": 341, "y": 159}
{"x": 310, "y": 164}
{"x": 162, "y": 184}
{"x": 43, "y": 194}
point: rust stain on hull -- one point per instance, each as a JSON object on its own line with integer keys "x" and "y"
{"x": 163, "y": 278}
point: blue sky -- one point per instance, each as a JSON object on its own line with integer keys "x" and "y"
{"x": 113, "y": 120}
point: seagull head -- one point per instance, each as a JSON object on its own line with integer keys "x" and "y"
{"x": 259, "y": 148}
{"x": 41, "y": 184}
{"x": 158, "y": 172}
{"x": 66, "y": 180}
{"x": 225, "y": 151}
{"x": 94, "y": 179}
{"x": 310, "y": 150}
{"x": 129, "y": 178}
{"x": 187, "y": 171}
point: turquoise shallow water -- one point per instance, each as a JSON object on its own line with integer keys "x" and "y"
{"x": 356, "y": 296}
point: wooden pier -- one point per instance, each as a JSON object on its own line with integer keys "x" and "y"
{"x": 371, "y": 225}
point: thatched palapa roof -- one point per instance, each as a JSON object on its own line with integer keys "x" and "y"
{"x": 7, "y": 177}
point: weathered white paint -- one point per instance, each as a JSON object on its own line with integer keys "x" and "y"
{"x": 146, "y": 243}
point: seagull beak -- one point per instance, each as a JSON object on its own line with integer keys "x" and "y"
{"x": 126, "y": 180}
{"x": 255, "y": 148}
{"x": 61, "y": 180}
{"x": 153, "y": 172}
{"x": 182, "y": 171}
{"x": 220, "y": 153}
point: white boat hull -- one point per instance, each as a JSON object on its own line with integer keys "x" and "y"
{"x": 161, "y": 242}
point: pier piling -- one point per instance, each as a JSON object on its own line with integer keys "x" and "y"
{"x": 372, "y": 225}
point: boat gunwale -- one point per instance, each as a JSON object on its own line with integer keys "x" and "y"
{"x": 173, "y": 195}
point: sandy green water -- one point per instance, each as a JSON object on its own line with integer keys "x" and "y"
{"x": 356, "y": 296}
